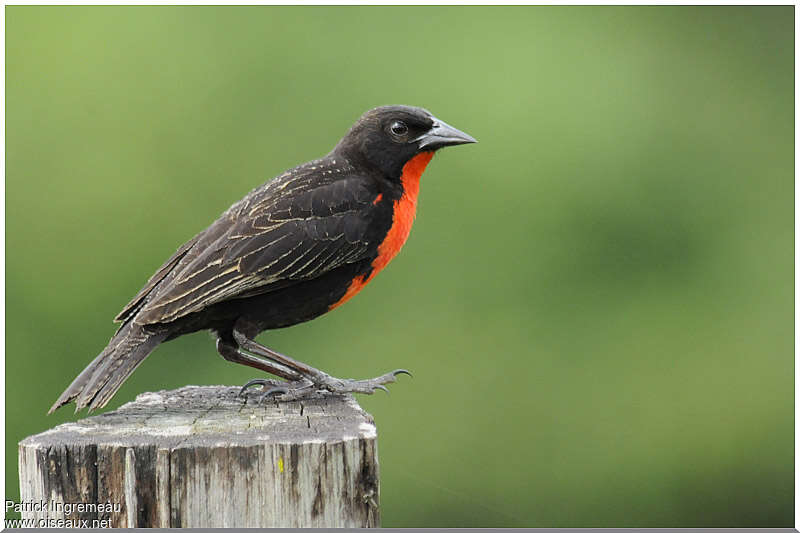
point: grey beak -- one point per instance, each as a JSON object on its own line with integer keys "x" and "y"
{"x": 443, "y": 134}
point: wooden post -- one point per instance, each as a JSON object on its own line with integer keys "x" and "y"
{"x": 203, "y": 457}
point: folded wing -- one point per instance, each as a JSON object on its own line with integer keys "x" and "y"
{"x": 272, "y": 239}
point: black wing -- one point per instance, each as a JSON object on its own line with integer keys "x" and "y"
{"x": 139, "y": 300}
{"x": 297, "y": 227}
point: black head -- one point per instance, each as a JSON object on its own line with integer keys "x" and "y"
{"x": 387, "y": 137}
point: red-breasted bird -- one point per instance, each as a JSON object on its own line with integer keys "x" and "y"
{"x": 291, "y": 250}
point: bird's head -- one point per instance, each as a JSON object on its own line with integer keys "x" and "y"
{"x": 387, "y": 137}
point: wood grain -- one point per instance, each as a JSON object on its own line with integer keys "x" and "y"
{"x": 203, "y": 457}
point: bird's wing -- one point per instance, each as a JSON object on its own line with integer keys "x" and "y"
{"x": 185, "y": 255}
{"x": 273, "y": 238}
{"x": 138, "y": 300}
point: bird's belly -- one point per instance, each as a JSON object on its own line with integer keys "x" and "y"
{"x": 297, "y": 303}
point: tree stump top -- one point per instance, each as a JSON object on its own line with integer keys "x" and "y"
{"x": 205, "y": 457}
{"x": 209, "y": 416}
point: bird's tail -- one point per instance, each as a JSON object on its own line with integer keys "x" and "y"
{"x": 97, "y": 384}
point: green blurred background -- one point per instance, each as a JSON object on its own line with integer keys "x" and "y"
{"x": 596, "y": 299}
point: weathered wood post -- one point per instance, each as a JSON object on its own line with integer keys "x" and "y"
{"x": 202, "y": 457}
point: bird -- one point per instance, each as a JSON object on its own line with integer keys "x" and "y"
{"x": 294, "y": 248}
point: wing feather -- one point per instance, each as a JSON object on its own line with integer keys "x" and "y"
{"x": 285, "y": 236}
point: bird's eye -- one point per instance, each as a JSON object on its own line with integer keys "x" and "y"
{"x": 398, "y": 127}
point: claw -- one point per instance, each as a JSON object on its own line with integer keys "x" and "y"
{"x": 272, "y": 392}
{"x": 275, "y": 390}
{"x": 306, "y": 386}
{"x": 250, "y": 383}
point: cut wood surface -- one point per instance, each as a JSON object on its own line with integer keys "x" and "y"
{"x": 203, "y": 457}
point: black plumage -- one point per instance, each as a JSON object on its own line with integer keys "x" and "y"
{"x": 284, "y": 254}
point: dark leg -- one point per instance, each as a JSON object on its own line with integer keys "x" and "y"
{"x": 321, "y": 380}
{"x": 233, "y": 354}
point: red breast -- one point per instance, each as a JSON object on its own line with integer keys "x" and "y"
{"x": 405, "y": 209}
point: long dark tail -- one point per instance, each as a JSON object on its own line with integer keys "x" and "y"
{"x": 97, "y": 384}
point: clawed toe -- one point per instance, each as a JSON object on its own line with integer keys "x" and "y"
{"x": 274, "y": 391}
{"x": 271, "y": 388}
{"x": 294, "y": 390}
{"x": 364, "y": 386}
{"x": 263, "y": 382}
{"x": 284, "y": 391}
{"x": 390, "y": 377}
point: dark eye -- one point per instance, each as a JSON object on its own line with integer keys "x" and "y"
{"x": 398, "y": 127}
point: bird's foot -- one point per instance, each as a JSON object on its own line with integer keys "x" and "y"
{"x": 362, "y": 386}
{"x": 283, "y": 390}
{"x": 304, "y": 388}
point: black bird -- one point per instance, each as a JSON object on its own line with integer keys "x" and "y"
{"x": 291, "y": 250}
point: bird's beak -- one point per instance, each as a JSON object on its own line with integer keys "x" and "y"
{"x": 443, "y": 134}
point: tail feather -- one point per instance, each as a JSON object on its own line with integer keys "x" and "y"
{"x": 97, "y": 384}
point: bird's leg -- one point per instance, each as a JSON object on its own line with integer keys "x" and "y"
{"x": 234, "y": 355}
{"x": 320, "y": 379}
{"x": 271, "y": 387}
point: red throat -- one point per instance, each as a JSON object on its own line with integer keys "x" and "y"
{"x": 405, "y": 209}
